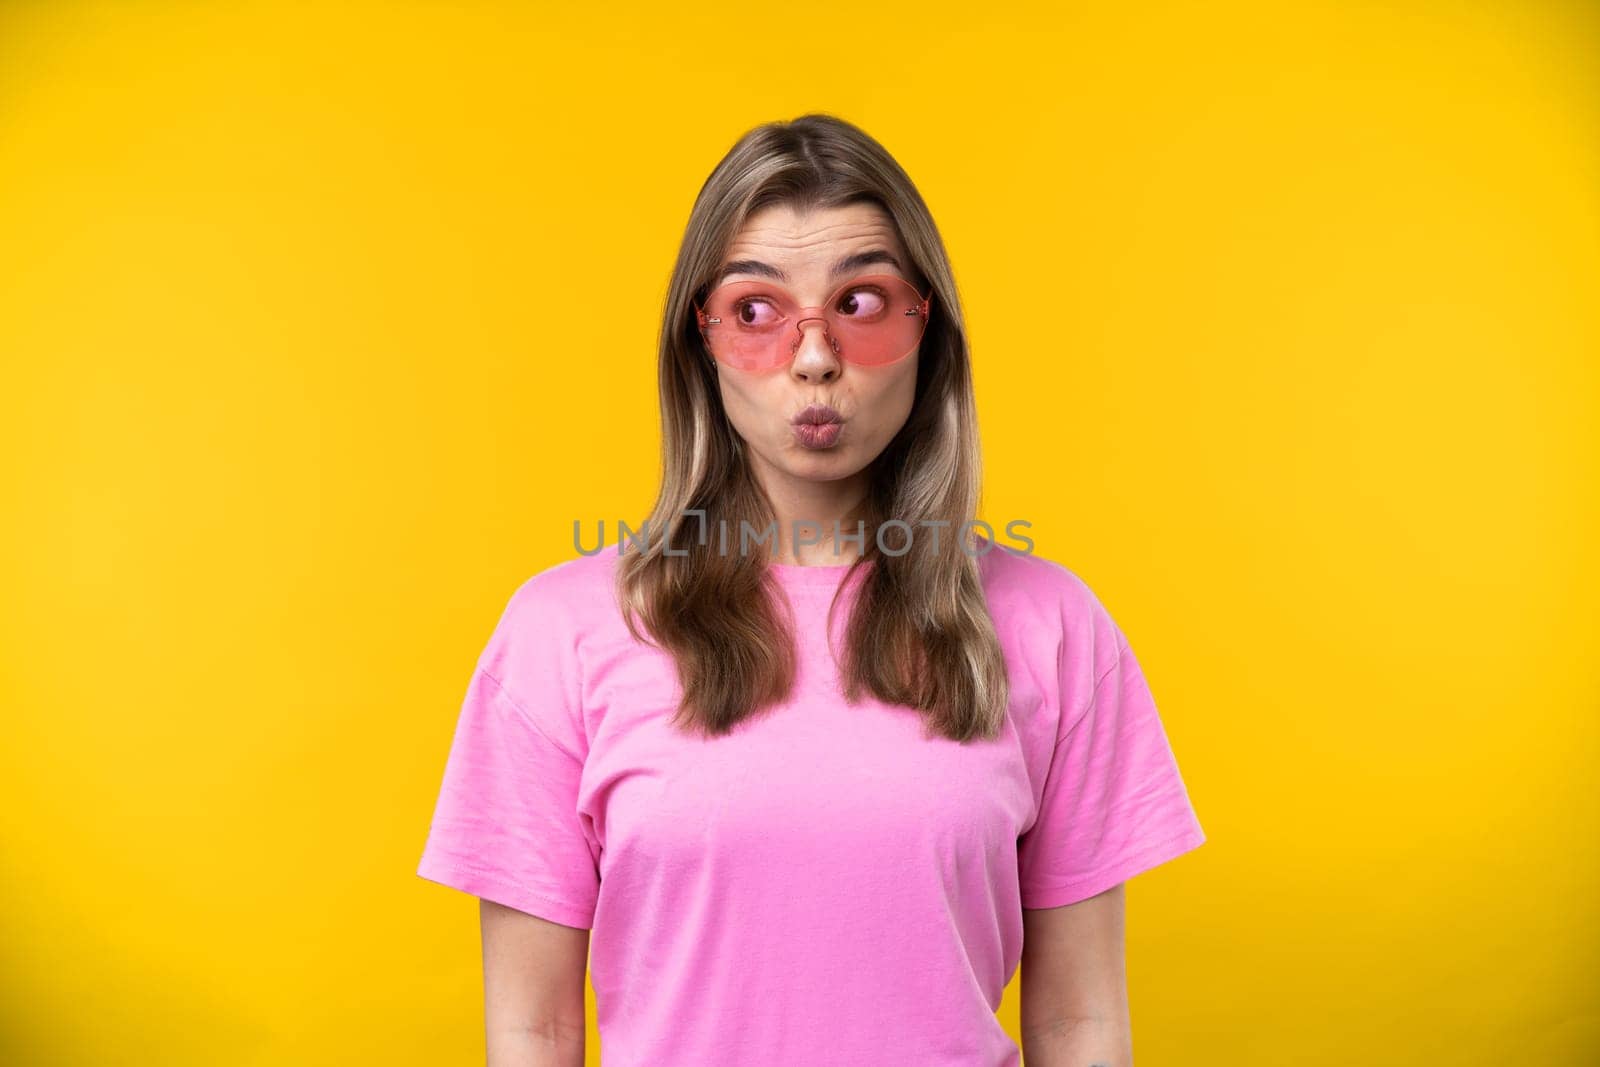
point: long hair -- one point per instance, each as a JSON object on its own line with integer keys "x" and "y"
{"x": 920, "y": 634}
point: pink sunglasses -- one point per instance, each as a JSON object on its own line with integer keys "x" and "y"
{"x": 872, "y": 319}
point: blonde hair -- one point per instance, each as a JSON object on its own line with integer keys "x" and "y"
{"x": 920, "y": 634}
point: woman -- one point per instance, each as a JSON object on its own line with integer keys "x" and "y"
{"x": 816, "y": 798}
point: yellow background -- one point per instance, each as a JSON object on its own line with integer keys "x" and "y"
{"x": 321, "y": 323}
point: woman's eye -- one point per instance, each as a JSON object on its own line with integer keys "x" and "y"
{"x": 863, "y": 303}
{"x": 756, "y": 312}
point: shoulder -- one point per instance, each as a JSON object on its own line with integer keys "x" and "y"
{"x": 576, "y": 591}
{"x": 1039, "y": 603}
{"x": 549, "y": 614}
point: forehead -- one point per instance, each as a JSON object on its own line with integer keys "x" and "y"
{"x": 777, "y": 234}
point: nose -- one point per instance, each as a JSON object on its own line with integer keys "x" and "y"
{"x": 816, "y": 353}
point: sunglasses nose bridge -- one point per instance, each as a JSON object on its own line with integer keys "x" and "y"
{"x": 800, "y": 333}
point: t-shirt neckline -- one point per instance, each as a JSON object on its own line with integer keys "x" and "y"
{"x": 827, "y": 575}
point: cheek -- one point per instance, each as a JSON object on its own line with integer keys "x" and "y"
{"x": 891, "y": 402}
{"x": 748, "y": 403}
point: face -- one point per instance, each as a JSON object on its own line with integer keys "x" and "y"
{"x": 872, "y": 402}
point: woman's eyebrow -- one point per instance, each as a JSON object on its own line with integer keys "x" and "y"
{"x": 856, "y": 260}
{"x": 852, "y": 262}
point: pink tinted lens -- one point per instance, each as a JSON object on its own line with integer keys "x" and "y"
{"x": 747, "y": 324}
{"x": 756, "y": 325}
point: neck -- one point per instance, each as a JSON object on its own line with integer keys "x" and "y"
{"x": 811, "y": 512}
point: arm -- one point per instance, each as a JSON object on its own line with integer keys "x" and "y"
{"x": 1074, "y": 985}
{"x": 533, "y": 977}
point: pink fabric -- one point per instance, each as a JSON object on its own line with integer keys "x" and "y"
{"x": 825, "y": 885}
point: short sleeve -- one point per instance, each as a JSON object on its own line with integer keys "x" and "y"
{"x": 1113, "y": 804}
{"x": 506, "y": 825}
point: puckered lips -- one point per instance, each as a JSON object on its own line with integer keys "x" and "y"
{"x": 818, "y": 426}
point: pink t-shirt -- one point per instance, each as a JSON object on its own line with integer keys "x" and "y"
{"x": 825, "y": 885}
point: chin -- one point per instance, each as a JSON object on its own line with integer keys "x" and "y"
{"x": 822, "y": 465}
